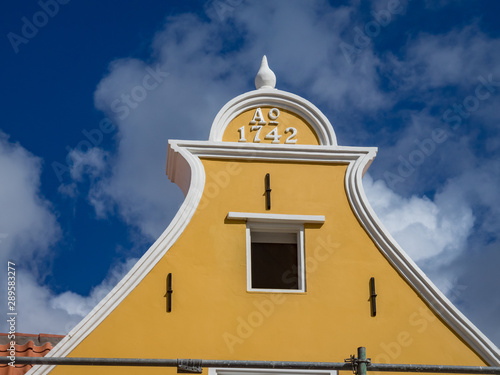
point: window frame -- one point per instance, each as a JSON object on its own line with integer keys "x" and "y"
{"x": 285, "y": 223}
{"x": 261, "y": 227}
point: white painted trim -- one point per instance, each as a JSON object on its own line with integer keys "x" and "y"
{"x": 276, "y": 218}
{"x": 141, "y": 268}
{"x": 435, "y": 299}
{"x": 270, "y": 152}
{"x": 248, "y": 255}
{"x": 257, "y": 371}
{"x": 282, "y": 225}
{"x": 274, "y": 98}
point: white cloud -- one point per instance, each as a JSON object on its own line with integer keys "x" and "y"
{"x": 425, "y": 229}
{"x": 91, "y": 163}
{"x": 193, "y": 80}
{"x": 456, "y": 58}
{"x": 42, "y": 311}
{"x": 27, "y": 220}
{"x": 479, "y": 187}
{"x": 28, "y": 230}
{"x": 69, "y": 190}
{"x": 35, "y": 315}
{"x": 76, "y": 304}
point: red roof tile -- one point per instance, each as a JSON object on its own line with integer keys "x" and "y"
{"x": 28, "y": 349}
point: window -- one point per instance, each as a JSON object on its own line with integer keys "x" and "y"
{"x": 275, "y": 250}
{"x": 275, "y": 257}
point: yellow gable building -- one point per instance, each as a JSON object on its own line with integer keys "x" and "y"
{"x": 275, "y": 255}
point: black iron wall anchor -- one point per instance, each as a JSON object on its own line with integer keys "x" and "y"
{"x": 373, "y": 296}
{"x": 268, "y": 191}
{"x": 168, "y": 295}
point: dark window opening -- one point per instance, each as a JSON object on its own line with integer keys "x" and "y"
{"x": 275, "y": 261}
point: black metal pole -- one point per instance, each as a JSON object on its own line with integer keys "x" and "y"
{"x": 340, "y": 366}
{"x": 433, "y": 368}
{"x": 69, "y": 361}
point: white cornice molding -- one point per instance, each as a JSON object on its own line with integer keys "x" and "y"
{"x": 274, "y": 98}
{"x": 269, "y": 152}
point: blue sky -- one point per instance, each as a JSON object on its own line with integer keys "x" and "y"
{"x": 93, "y": 90}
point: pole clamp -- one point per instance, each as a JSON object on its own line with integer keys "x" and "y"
{"x": 355, "y": 362}
{"x": 189, "y": 366}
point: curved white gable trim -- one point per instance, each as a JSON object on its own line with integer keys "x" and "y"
{"x": 186, "y": 155}
{"x": 407, "y": 268}
{"x": 145, "y": 263}
{"x": 274, "y": 98}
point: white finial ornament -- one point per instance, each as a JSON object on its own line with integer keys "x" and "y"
{"x": 265, "y": 78}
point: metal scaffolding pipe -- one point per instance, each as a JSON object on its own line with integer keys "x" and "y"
{"x": 361, "y": 361}
{"x": 193, "y": 364}
{"x": 69, "y": 361}
{"x": 384, "y": 367}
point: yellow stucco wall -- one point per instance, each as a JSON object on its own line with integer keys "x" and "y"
{"x": 214, "y": 317}
{"x": 305, "y": 134}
